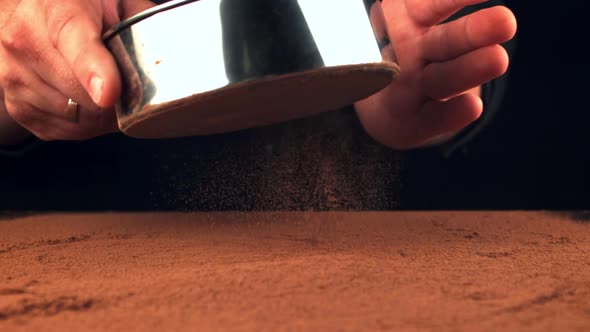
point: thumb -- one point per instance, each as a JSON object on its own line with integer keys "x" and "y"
{"x": 77, "y": 35}
{"x": 76, "y": 32}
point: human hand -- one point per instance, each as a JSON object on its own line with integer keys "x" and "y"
{"x": 442, "y": 67}
{"x": 51, "y": 51}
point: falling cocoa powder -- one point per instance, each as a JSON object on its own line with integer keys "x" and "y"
{"x": 326, "y": 162}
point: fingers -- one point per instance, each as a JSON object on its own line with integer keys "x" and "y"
{"x": 441, "y": 118}
{"x": 486, "y": 27}
{"x": 428, "y": 13}
{"x": 47, "y": 126}
{"x": 447, "y": 79}
{"x": 47, "y": 100}
{"x": 379, "y": 25}
{"x": 52, "y": 51}
{"x": 41, "y": 109}
{"x": 75, "y": 30}
{"x": 29, "y": 109}
{"x": 402, "y": 129}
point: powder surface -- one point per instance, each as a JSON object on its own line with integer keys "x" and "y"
{"x": 285, "y": 271}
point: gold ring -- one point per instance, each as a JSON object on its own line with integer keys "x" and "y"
{"x": 72, "y": 111}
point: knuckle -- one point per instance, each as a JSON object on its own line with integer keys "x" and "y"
{"x": 11, "y": 40}
{"x": 15, "y": 35}
{"x": 69, "y": 19}
{"x": 22, "y": 114}
{"x": 59, "y": 23}
{"x": 469, "y": 31}
{"x": 11, "y": 81}
{"x": 19, "y": 39}
{"x": 63, "y": 19}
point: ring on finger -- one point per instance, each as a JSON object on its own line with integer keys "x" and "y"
{"x": 72, "y": 111}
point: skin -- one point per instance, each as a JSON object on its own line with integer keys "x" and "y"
{"x": 443, "y": 65}
{"x": 10, "y": 132}
{"x": 52, "y": 50}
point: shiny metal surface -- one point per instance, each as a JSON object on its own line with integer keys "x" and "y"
{"x": 187, "y": 48}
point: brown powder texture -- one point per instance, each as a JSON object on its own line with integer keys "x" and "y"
{"x": 296, "y": 271}
{"x": 326, "y": 162}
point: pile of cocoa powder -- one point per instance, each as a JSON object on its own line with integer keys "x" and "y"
{"x": 306, "y": 271}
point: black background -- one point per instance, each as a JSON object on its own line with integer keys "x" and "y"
{"x": 533, "y": 156}
{"x": 536, "y": 152}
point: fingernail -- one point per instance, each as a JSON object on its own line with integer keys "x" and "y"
{"x": 96, "y": 88}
